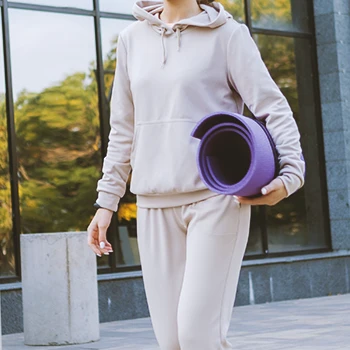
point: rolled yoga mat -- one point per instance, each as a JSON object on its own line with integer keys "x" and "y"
{"x": 236, "y": 155}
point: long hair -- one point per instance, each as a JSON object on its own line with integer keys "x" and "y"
{"x": 205, "y": 2}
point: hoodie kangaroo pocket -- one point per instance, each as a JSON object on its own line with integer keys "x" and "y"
{"x": 163, "y": 158}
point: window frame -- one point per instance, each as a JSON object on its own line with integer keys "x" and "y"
{"x": 103, "y": 106}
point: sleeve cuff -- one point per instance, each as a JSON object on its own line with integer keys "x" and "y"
{"x": 291, "y": 182}
{"x": 108, "y": 200}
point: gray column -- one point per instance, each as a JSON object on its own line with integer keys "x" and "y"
{"x": 332, "y": 19}
{"x": 59, "y": 289}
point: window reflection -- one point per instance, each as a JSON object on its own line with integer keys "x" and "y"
{"x": 56, "y": 118}
{"x": 235, "y": 7}
{"x": 279, "y": 56}
{"x": 254, "y": 245}
{"x": 7, "y": 258}
{"x": 290, "y": 15}
{"x": 287, "y": 225}
{"x": 117, "y": 6}
{"x": 83, "y": 4}
{"x": 128, "y": 253}
{"x": 292, "y": 223}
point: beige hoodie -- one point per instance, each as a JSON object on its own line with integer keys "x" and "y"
{"x": 167, "y": 78}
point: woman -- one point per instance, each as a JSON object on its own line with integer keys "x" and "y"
{"x": 182, "y": 60}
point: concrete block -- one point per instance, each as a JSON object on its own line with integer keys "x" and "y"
{"x": 332, "y": 116}
{"x": 328, "y": 58}
{"x": 339, "y": 207}
{"x": 12, "y": 311}
{"x": 325, "y": 29}
{"x": 334, "y": 145}
{"x": 288, "y": 281}
{"x": 244, "y": 289}
{"x": 337, "y": 175}
{"x": 333, "y": 57}
{"x": 340, "y": 230}
{"x": 322, "y": 7}
{"x": 344, "y": 79}
{"x": 343, "y": 55}
{"x": 59, "y": 288}
{"x": 346, "y": 114}
{"x": 342, "y": 6}
{"x": 330, "y": 87}
{"x": 122, "y": 299}
{"x": 327, "y": 277}
{"x": 342, "y": 27}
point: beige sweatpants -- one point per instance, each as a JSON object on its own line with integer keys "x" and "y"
{"x": 191, "y": 258}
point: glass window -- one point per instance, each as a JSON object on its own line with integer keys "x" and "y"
{"x": 83, "y": 4}
{"x": 235, "y": 7}
{"x": 293, "y": 224}
{"x": 7, "y": 257}
{"x": 254, "y": 245}
{"x": 291, "y": 15}
{"x": 117, "y": 6}
{"x": 128, "y": 253}
{"x": 57, "y": 123}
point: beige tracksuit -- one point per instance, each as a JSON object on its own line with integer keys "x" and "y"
{"x": 191, "y": 240}
{"x": 191, "y": 257}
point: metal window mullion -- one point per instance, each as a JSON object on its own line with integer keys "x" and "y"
{"x": 284, "y": 33}
{"x": 261, "y": 210}
{"x": 104, "y": 122}
{"x": 248, "y": 14}
{"x": 103, "y": 104}
{"x": 122, "y": 16}
{"x": 45, "y": 8}
{"x": 319, "y": 127}
{"x": 68, "y": 10}
{"x": 11, "y": 138}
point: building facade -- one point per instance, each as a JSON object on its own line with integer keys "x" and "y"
{"x": 57, "y": 61}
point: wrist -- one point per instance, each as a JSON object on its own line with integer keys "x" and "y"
{"x": 97, "y": 206}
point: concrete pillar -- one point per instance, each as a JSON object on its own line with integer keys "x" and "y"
{"x": 59, "y": 289}
{"x": 332, "y": 21}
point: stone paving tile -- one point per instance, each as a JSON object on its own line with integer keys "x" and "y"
{"x": 304, "y": 324}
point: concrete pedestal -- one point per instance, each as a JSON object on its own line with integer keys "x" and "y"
{"x": 59, "y": 287}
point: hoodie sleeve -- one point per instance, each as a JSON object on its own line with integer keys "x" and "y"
{"x": 116, "y": 164}
{"x": 252, "y": 81}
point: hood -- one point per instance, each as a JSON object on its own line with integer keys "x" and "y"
{"x": 149, "y": 10}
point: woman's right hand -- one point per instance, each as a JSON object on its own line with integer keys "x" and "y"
{"x": 97, "y": 232}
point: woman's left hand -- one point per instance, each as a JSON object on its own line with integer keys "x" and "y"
{"x": 273, "y": 193}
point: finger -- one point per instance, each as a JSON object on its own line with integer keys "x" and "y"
{"x": 92, "y": 229}
{"x": 97, "y": 246}
{"x": 104, "y": 245}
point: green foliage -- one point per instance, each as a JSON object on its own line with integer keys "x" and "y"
{"x": 58, "y": 147}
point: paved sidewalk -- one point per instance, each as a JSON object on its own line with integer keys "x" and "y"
{"x": 304, "y": 324}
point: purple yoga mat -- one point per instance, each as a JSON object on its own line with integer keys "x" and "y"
{"x": 236, "y": 155}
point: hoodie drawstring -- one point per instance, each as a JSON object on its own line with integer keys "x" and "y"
{"x": 163, "y": 45}
{"x": 178, "y": 33}
{"x": 178, "y": 38}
